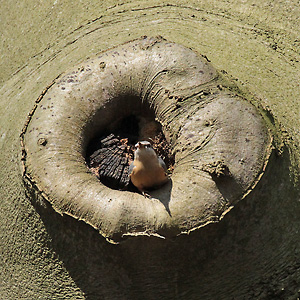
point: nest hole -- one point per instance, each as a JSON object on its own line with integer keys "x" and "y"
{"x": 111, "y": 152}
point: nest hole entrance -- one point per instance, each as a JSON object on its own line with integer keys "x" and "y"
{"x": 110, "y": 153}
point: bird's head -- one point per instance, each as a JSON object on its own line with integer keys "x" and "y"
{"x": 143, "y": 150}
{"x": 143, "y": 145}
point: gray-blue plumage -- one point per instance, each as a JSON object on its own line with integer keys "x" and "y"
{"x": 162, "y": 163}
{"x": 130, "y": 168}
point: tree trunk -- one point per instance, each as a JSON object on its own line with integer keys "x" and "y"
{"x": 252, "y": 253}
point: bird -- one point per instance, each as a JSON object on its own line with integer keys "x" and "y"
{"x": 147, "y": 171}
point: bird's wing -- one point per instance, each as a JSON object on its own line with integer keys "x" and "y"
{"x": 131, "y": 168}
{"x": 162, "y": 163}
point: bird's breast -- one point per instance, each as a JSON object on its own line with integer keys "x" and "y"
{"x": 145, "y": 176}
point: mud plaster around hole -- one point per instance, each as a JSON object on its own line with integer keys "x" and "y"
{"x": 220, "y": 141}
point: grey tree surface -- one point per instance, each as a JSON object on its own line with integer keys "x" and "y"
{"x": 253, "y": 253}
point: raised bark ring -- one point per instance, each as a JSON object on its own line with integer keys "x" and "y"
{"x": 220, "y": 141}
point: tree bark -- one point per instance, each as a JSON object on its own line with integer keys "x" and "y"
{"x": 253, "y": 253}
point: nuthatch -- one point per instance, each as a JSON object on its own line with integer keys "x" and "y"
{"x": 147, "y": 170}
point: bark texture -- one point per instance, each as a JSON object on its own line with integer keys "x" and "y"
{"x": 202, "y": 118}
{"x": 253, "y": 253}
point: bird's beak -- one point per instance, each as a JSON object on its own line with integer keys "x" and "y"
{"x": 138, "y": 145}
